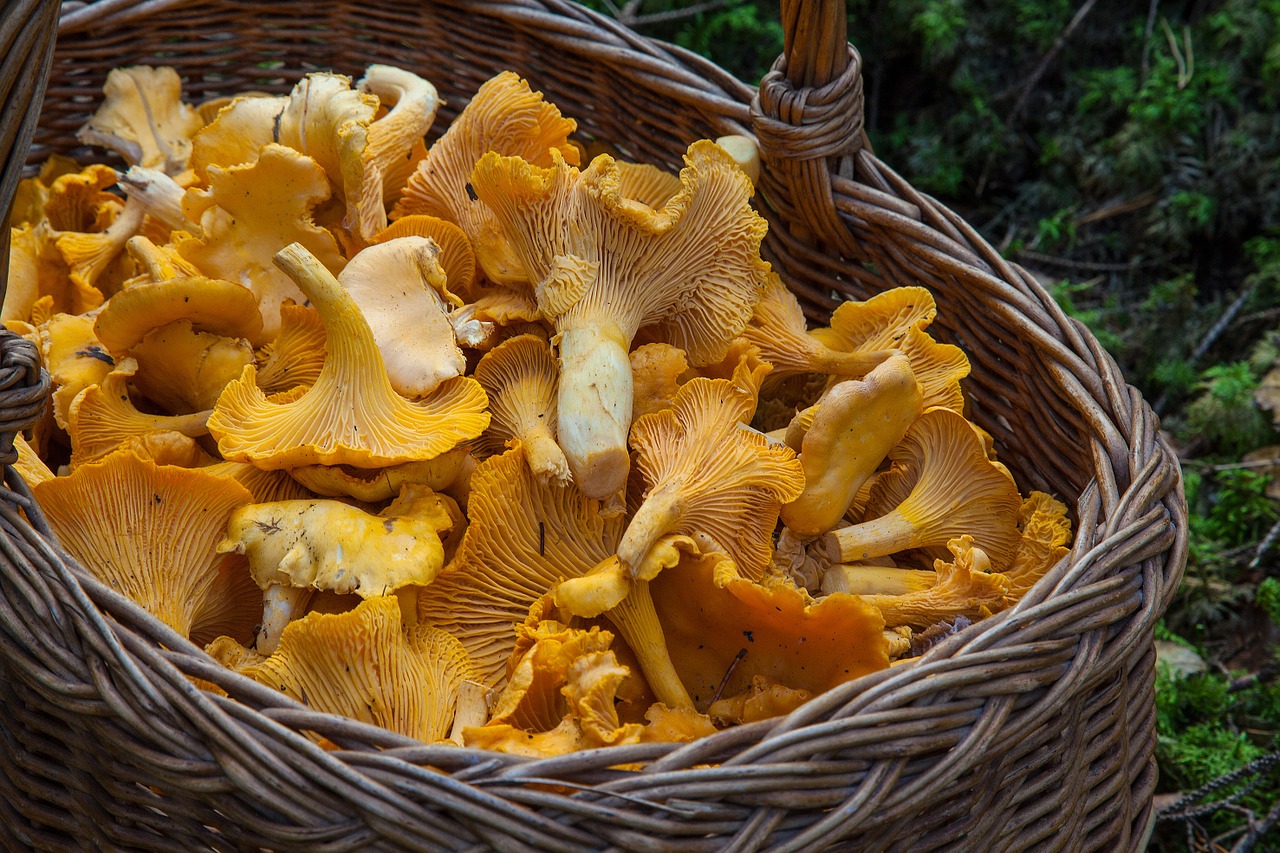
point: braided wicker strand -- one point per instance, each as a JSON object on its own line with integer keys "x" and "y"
{"x": 1032, "y": 730}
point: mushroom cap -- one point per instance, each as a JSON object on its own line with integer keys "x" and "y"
{"x": 182, "y": 370}
{"x": 209, "y": 305}
{"x": 103, "y": 416}
{"x": 238, "y": 132}
{"x": 37, "y": 270}
{"x": 561, "y": 697}
{"x": 504, "y": 116}
{"x": 372, "y": 485}
{"x": 1046, "y": 535}
{"x": 524, "y": 536}
{"x": 297, "y": 355}
{"x": 252, "y": 211}
{"x": 897, "y": 319}
{"x": 89, "y": 256}
{"x": 74, "y": 357}
{"x": 266, "y": 486}
{"x": 656, "y": 371}
{"x": 351, "y": 415}
{"x": 710, "y": 615}
{"x": 763, "y": 698}
{"x": 32, "y": 194}
{"x": 779, "y": 329}
{"x": 397, "y": 286}
{"x": 391, "y": 140}
{"x": 329, "y": 122}
{"x": 362, "y": 664}
{"x": 143, "y": 118}
{"x": 327, "y": 544}
{"x": 647, "y": 184}
{"x": 706, "y": 475}
{"x": 148, "y": 531}
{"x": 456, "y": 256}
{"x": 78, "y": 202}
{"x": 519, "y": 376}
{"x": 690, "y": 269}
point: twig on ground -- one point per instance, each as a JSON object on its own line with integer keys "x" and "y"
{"x": 1265, "y": 545}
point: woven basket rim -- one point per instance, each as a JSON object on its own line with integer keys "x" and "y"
{"x": 1156, "y": 539}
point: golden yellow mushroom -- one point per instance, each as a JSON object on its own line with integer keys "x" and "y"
{"x": 252, "y": 211}
{"x": 504, "y": 116}
{"x": 524, "y": 537}
{"x": 149, "y": 532}
{"x": 519, "y": 376}
{"x": 351, "y": 415}
{"x": 144, "y": 119}
{"x": 854, "y": 427}
{"x": 605, "y": 266}
{"x": 362, "y": 664}
{"x": 956, "y": 491}
{"x": 297, "y": 547}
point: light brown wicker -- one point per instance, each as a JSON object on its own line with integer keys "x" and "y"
{"x": 1030, "y": 730}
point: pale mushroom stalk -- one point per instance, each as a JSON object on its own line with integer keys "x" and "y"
{"x": 661, "y": 512}
{"x": 594, "y": 406}
{"x": 160, "y": 196}
{"x": 957, "y": 491}
{"x": 855, "y": 426}
{"x": 637, "y": 622}
{"x": 281, "y": 605}
{"x": 876, "y": 580}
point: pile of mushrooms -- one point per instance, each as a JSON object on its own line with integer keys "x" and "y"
{"x": 483, "y": 441}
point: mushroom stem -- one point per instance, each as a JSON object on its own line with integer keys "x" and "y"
{"x": 594, "y": 407}
{"x": 280, "y": 605}
{"x": 546, "y": 458}
{"x": 637, "y": 621}
{"x": 876, "y": 580}
{"x": 878, "y": 537}
{"x": 656, "y": 517}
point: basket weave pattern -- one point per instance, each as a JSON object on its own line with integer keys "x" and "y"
{"x": 1030, "y": 730}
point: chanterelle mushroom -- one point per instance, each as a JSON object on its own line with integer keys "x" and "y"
{"x": 855, "y": 426}
{"x": 399, "y": 287}
{"x": 965, "y": 586}
{"x": 351, "y": 415}
{"x": 250, "y": 212}
{"x": 364, "y": 665}
{"x": 706, "y": 475}
{"x": 957, "y": 491}
{"x": 144, "y": 119}
{"x": 295, "y": 547}
{"x": 504, "y": 116}
{"x": 519, "y": 377}
{"x": 604, "y": 266}
{"x": 148, "y": 531}
{"x": 778, "y": 328}
{"x": 525, "y": 536}
{"x": 897, "y": 319}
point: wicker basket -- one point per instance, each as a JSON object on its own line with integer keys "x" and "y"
{"x": 1030, "y": 730}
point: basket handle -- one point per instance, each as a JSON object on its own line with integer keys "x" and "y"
{"x": 808, "y": 120}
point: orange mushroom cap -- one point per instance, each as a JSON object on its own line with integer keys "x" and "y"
{"x": 362, "y": 664}
{"x": 148, "y": 531}
{"x": 524, "y": 537}
{"x": 351, "y": 415}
